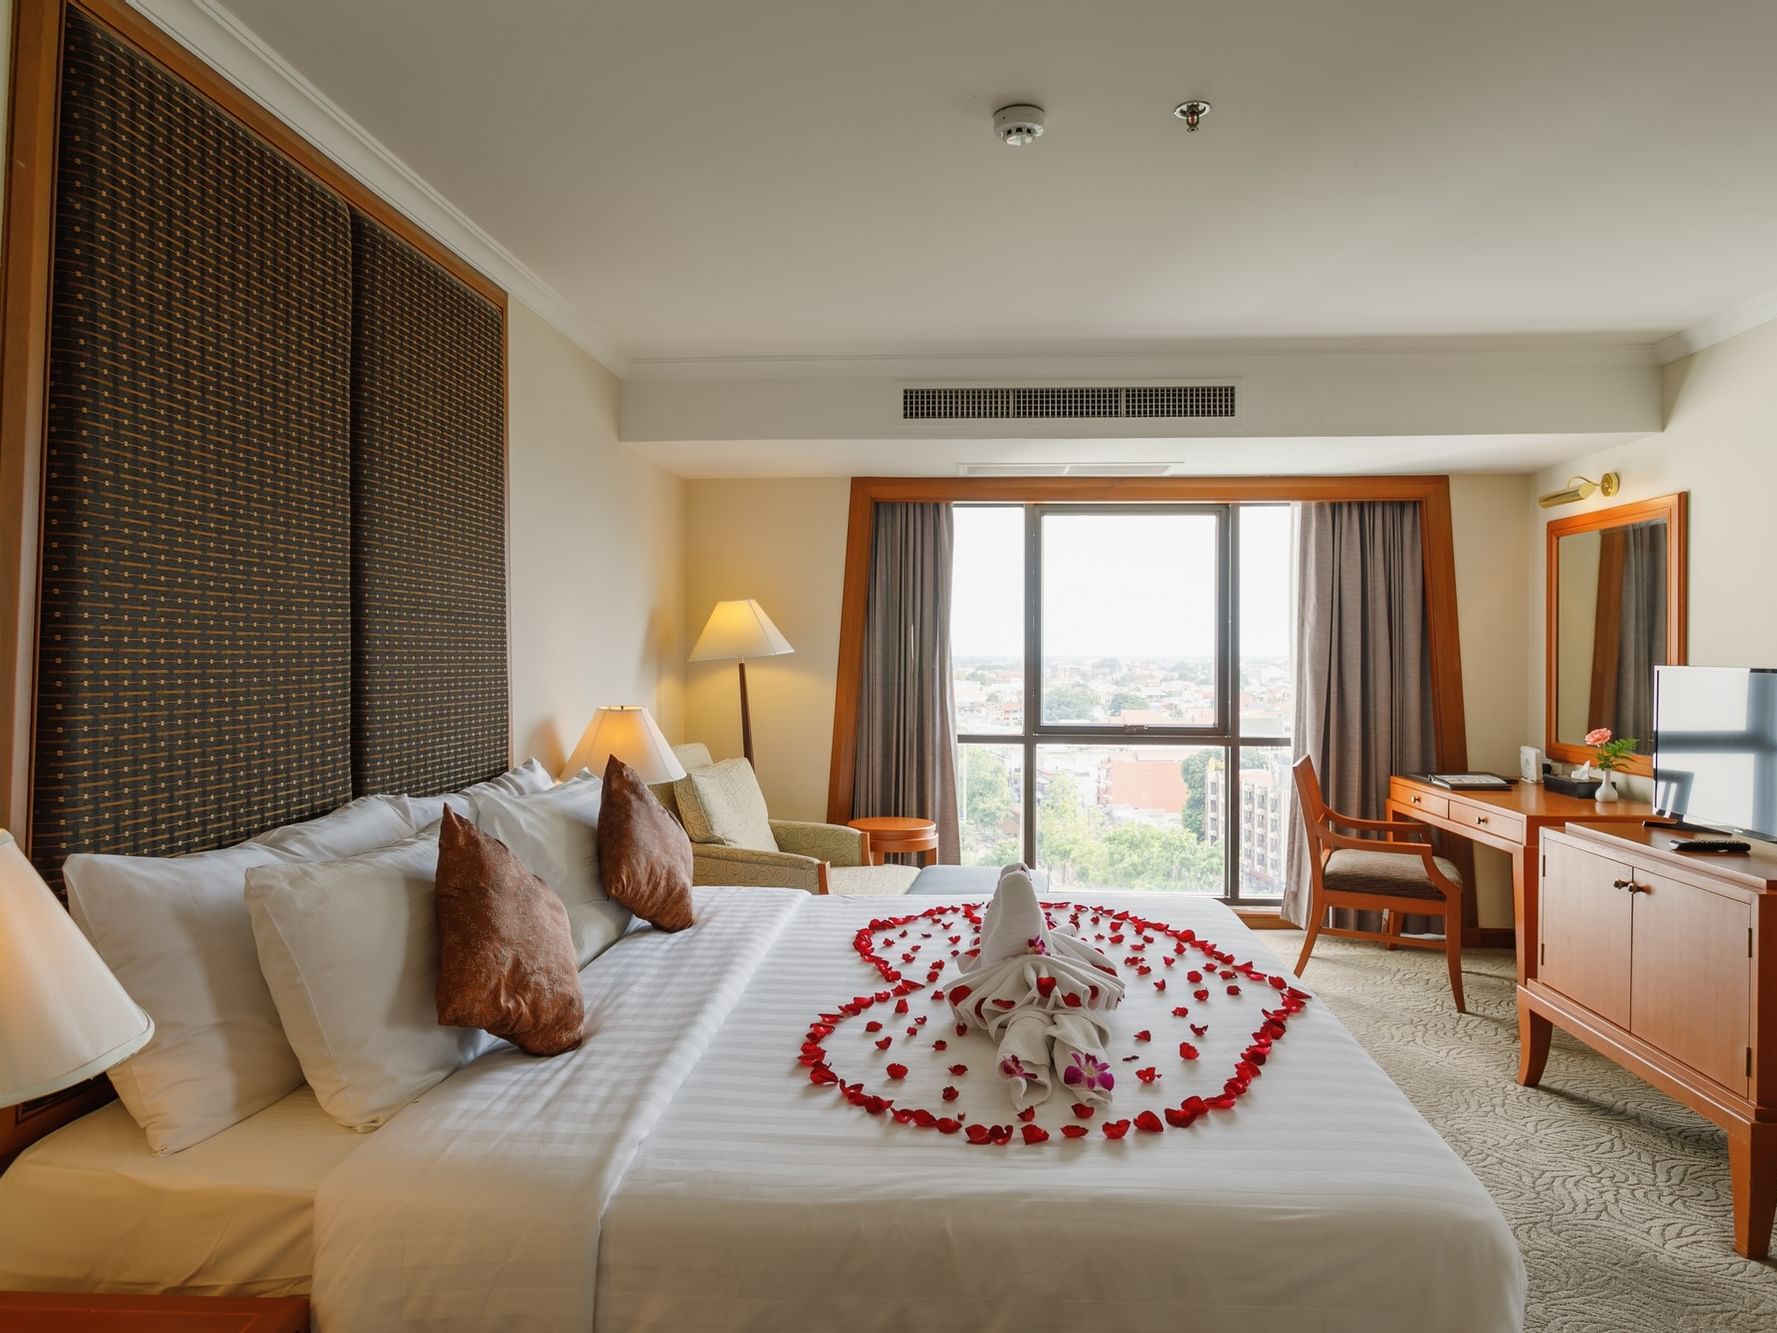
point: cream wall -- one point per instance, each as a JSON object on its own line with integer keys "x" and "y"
{"x": 596, "y": 542}
{"x": 781, "y": 542}
{"x": 1719, "y": 444}
{"x": 1492, "y": 537}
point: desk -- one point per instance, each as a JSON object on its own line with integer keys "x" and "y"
{"x": 1512, "y": 821}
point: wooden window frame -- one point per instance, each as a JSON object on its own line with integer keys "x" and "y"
{"x": 1430, "y": 493}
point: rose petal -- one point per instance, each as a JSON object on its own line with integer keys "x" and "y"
{"x": 1149, "y": 1123}
{"x": 1074, "y": 1131}
{"x": 1115, "y": 1129}
{"x": 1144, "y": 1035}
{"x": 1035, "y": 1134}
{"x": 1083, "y": 1111}
{"x": 957, "y": 1071}
{"x": 896, "y": 1071}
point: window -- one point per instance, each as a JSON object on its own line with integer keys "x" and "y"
{"x": 1125, "y": 692}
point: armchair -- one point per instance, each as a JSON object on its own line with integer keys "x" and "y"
{"x": 735, "y": 842}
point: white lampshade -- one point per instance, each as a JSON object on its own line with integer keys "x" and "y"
{"x": 63, "y": 1016}
{"x": 739, "y": 629}
{"x": 627, "y": 731}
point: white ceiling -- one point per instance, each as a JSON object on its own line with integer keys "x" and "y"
{"x": 818, "y": 177}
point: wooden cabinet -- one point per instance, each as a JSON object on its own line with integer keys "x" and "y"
{"x": 1586, "y": 930}
{"x": 1691, "y": 985}
{"x": 1668, "y": 965}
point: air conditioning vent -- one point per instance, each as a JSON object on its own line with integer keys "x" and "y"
{"x": 1064, "y": 469}
{"x": 1087, "y": 402}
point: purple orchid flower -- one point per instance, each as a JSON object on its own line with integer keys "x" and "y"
{"x": 1089, "y": 1072}
{"x": 1013, "y": 1067}
{"x": 1037, "y": 944}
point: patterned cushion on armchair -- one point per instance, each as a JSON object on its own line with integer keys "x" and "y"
{"x": 723, "y": 804}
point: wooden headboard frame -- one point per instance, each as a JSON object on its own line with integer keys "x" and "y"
{"x": 26, "y": 264}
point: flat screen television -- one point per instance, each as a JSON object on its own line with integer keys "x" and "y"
{"x": 1715, "y": 747}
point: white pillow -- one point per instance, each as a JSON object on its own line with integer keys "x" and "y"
{"x": 555, "y": 834}
{"x": 357, "y": 826}
{"x": 530, "y": 776}
{"x": 349, "y": 949}
{"x": 175, "y": 933}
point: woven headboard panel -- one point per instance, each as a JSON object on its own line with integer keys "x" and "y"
{"x": 194, "y": 674}
{"x": 430, "y": 694}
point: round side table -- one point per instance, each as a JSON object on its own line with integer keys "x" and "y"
{"x": 890, "y": 834}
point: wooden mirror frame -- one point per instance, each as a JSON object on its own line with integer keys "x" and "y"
{"x": 1672, "y": 508}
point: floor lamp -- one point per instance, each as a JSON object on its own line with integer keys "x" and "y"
{"x": 736, "y": 631}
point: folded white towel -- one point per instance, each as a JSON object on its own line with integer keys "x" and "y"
{"x": 1039, "y": 991}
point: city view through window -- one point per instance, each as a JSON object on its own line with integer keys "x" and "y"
{"x": 1097, "y": 733}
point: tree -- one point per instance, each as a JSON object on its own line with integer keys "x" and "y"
{"x": 1194, "y": 769}
{"x": 1148, "y": 856}
{"x": 1066, "y": 835}
{"x": 989, "y": 807}
{"x": 1124, "y": 701}
{"x": 1069, "y": 703}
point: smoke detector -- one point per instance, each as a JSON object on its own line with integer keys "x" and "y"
{"x": 1018, "y": 124}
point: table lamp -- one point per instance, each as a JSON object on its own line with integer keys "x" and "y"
{"x": 735, "y": 632}
{"x": 627, "y": 731}
{"x": 63, "y": 1016}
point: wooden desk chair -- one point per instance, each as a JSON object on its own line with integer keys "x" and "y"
{"x": 1377, "y": 874}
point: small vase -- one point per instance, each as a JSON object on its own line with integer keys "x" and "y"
{"x": 1607, "y": 793}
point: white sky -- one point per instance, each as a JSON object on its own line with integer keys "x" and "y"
{"x": 1123, "y": 585}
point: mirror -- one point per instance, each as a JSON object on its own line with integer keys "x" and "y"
{"x": 1616, "y": 611}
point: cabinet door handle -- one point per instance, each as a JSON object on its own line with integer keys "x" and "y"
{"x": 1480, "y": 819}
{"x": 1417, "y": 801}
{"x": 1622, "y": 884}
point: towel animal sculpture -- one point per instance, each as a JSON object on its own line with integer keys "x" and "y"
{"x": 1041, "y": 994}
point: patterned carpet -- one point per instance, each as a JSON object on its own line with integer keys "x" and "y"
{"x": 1618, "y": 1195}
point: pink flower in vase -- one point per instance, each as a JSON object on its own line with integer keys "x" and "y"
{"x": 1598, "y": 736}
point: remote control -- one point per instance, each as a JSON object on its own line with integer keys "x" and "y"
{"x": 1710, "y": 845}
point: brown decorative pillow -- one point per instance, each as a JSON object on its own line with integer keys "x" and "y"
{"x": 505, "y": 952}
{"x": 644, "y": 856}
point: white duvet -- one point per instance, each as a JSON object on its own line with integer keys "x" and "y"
{"x": 680, "y": 1172}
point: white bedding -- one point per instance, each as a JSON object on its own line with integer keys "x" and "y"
{"x": 90, "y": 1208}
{"x": 682, "y": 1159}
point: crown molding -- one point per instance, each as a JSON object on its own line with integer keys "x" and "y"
{"x": 222, "y": 41}
{"x": 1159, "y": 359}
{"x": 1718, "y": 328}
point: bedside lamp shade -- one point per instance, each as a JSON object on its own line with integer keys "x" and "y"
{"x": 628, "y": 732}
{"x": 739, "y": 630}
{"x": 63, "y": 1016}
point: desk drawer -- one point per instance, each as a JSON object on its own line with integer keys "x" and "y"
{"x": 1488, "y": 819}
{"x": 1418, "y": 799}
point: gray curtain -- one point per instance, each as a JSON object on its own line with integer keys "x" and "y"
{"x": 1363, "y": 668}
{"x": 1641, "y": 629}
{"x": 906, "y": 762}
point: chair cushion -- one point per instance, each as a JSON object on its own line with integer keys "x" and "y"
{"x": 887, "y": 881}
{"x": 723, "y": 804}
{"x": 1388, "y": 873}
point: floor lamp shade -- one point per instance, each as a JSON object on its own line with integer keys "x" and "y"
{"x": 739, "y": 630}
{"x": 628, "y": 732}
{"x": 63, "y": 1017}
{"x": 736, "y": 631}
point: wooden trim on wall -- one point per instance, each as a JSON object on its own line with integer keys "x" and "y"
{"x": 1432, "y": 493}
{"x": 24, "y": 383}
{"x": 1675, "y": 509}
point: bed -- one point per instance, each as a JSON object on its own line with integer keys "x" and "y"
{"x": 681, "y": 1171}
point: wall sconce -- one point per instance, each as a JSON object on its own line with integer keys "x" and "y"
{"x": 1578, "y": 488}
